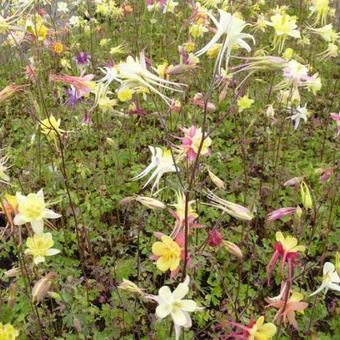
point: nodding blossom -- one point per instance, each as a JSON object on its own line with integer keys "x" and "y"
{"x": 300, "y": 113}
{"x": 161, "y": 162}
{"x": 279, "y": 213}
{"x": 191, "y": 142}
{"x": 330, "y": 279}
{"x": 320, "y": 10}
{"x": 231, "y": 27}
{"x": 288, "y": 249}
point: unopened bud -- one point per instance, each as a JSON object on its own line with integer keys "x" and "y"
{"x": 306, "y": 197}
{"x": 298, "y": 213}
{"x": 151, "y": 203}
{"x": 216, "y": 180}
{"x": 233, "y": 249}
{"x": 42, "y": 287}
{"x": 12, "y": 272}
{"x": 214, "y": 238}
{"x": 130, "y": 287}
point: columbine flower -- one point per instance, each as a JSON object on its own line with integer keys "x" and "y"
{"x": 162, "y": 162}
{"x": 83, "y": 85}
{"x": 201, "y": 102}
{"x": 82, "y": 60}
{"x": 332, "y": 51}
{"x": 279, "y": 213}
{"x": 174, "y": 304}
{"x": 214, "y": 238}
{"x": 191, "y": 143}
{"x": 40, "y": 246}
{"x": 51, "y": 127}
{"x": 4, "y": 178}
{"x": 62, "y": 7}
{"x": 244, "y": 103}
{"x": 287, "y": 248}
{"x": 300, "y": 113}
{"x": 232, "y": 27}
{"x": 233, "y": 249}
{"x": 233, "y": 209}
{"x": 320, "y": 9}
{"x": 336, "y": 118}
{"x": 134, "y": 75}
{"x": 8, "y": 332}
{"x": 284, "y": 26}
{"x": 179, "y": 214}
{"x": 306, "y": 197}
{"x": 255, "y": 330}
{"x": 286, "y": 310}
{"x": 168, "y": 254}
{"x": 330, "y": 279}
{"x": 32, "y": 209}
{"x": 327, "y": 33}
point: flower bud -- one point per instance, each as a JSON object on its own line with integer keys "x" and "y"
{"x": 306, "y": 196}
{"x": 151, "y": 203}
{"x": 130, "y": 287}
{"x": 233, "y": 249}
{"x": 298, "y": 213}
{"x": 216, "y": 180}
{"x": 12, "y": 272}
{"x": 337, "y": 262}
{"x": 214, "y": 238}
{"x": 42, "y": 287}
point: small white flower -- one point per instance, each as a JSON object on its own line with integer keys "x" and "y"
{"x": 300, "y": 113}
{"x": 330, "y": 279}
{"x": 162, "y": 162}
{"x": 174, "y": 304}
{"x": 232, "y": 27}
{"x": 62, "y": 7}
{"x": 32, "y": 209}
{"x": 74, "y": 21}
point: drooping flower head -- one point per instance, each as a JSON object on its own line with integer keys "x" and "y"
{"x": 279, "y": 213}
{"x": 40, "y": 246}
{"x": 286, "y": 310}
{"x": 288, "y": 249}
{"x": 161, "y": 162}
{"x": 232, "y": 27}
{"x": 284, "y": 26}
{"x": 330, "y": 279}
{"x": 32, "y": 209}
{"x": 320, "y": 9}
{"x": 191, "y": 143}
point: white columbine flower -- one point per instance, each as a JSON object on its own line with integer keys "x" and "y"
{"x": 300, "y": 113}
{"x": 32, "y": 209}
{"x": 232, "y": 27}
{"x": 62, "y": 7}
{"x": 162, "y": 162}
{"x": 174, "y": 304}
{"x": 330, "y": 279}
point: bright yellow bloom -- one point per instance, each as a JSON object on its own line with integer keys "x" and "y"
{"x": 244, "y": 103}
{"x": 189, "y": 46}
{"x": 32, "y": 209}
{"x": 106, "y": 104}
{"x": 125, "y": 95}
{"x": 8, "y": 332}
{"x": 169, "y": 253}
{"x": 306, "y": 196}
{"x": 320, "y": 8}
{"x": 289, "y": 243}
{"x": 284, "y": 26}
{"x": 288, "y": 53}
{"x": 58, "y": 47}
{"x": 197, "y": 30}
{"x": 50, "y": 127}
{"x": 214, "y": 50}
{"x": 261, "y": 330}
{"x": 39, "y": 246}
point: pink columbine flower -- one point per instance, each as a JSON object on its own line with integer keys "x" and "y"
{"x": 83, "y": 84}
{"x": 288, "y": 249}
{"x": 191, "y": 143}
{"x": 279, "y": 213}
{"x": 336, "y": 118}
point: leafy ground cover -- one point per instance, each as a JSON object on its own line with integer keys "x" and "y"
{"x": 169, "y": 169}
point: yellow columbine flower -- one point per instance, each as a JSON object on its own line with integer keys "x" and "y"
{"x": 288, "y": 53}
{"x": 244, "y": 103}
{"x": 39, "y": 246}
{"x": 261, "y": 330}
{"x": 320, "y": 8}
{"x": 32, "y": 209}
{"x": 284, "y": 26}
{"x": 197, "y": 30}
{"x": 50, "y": 127}
{"x": 189, "y": 46}
{"x": 214, "y": 50}
{"x": 125, "y": 95}
{"x": 289, "y": 243}
{"x": 8, "y": 332}
{"x": 58, "y": 47}
{"x": 106, "y": 104}
{"x": 169, "y": 253}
